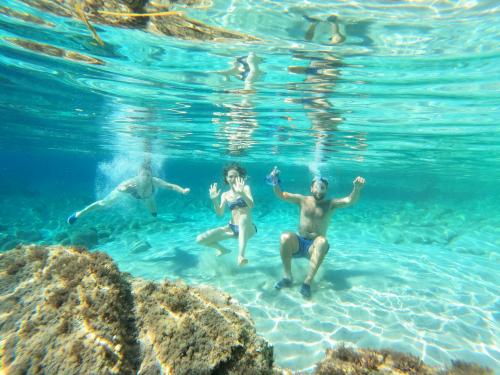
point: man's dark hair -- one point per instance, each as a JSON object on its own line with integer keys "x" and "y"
{"x": 319, "y": 179}
{"x": 241, "y": 171}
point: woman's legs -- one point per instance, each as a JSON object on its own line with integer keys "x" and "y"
{"x": 151, "y": 205}
{"x": 108, "y": 200}
{"x": 247, "y": 231}
{"x": 211, "y": 238}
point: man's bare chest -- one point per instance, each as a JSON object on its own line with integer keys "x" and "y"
{"x": 315, "y": 211}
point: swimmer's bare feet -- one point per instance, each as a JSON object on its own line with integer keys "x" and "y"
{"x": 222, "y": 251}
{"x": 242, "y": 260}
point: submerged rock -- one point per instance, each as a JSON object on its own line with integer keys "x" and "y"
{"x": 65, "y": 310}
{"x": 347, "y": 361}
{"x": 185, "y": 329}
{"x": 140, "y": 247}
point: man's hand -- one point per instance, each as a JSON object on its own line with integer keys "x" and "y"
{"x": 214, "y": 193}
{"x": 273, "y": 178}
{"x": 358, "y": 182}
{"x": 275, "y": 172}
{"x": 239, "y": 185}
{"x": 186, "y": 191}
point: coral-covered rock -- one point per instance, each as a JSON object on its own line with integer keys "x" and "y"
{"x": 197, "y": 330}
{"x": 65, "y": 311}
{"x": 347, "y": 361}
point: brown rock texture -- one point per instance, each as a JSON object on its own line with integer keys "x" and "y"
{"x": 347, "y": 361}
{"x": 66, "y": 311}
{"x": 185, "y": 329}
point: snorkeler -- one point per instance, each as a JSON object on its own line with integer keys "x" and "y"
{"x": 141, "y": 187}
{"x": 315, "y": 214}
{"x": 239, "y": 201}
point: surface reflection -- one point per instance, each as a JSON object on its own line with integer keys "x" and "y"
{"x": 237, "y": 120}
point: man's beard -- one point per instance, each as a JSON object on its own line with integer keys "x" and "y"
{"x": 319, "y": 197}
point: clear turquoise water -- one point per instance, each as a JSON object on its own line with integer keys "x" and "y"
{"x": 410, "y": 101}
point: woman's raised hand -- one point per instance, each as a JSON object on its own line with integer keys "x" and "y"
{"x": 239, "y": 185}
{"x": 214, "y": 193}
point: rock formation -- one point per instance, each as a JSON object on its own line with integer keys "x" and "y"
{"x": 347, "y": 361}
{"x": 65, "y": 310}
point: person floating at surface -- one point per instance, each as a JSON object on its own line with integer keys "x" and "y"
{"x": 315, "y": 214}
{"x": 141, "y": 187}
{"x": 239, "y": 200}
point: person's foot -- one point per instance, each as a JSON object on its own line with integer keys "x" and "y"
{"x": 283, "y": 283}
{"x": 305, "y": 290}
{"x": 72, "y": 218}
{"x": 242, "y": 261}
{"x": 223, "y": 251}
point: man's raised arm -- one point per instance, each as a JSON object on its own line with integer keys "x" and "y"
{"x": 352, "y": 198}
{"x": 273, "y": 179}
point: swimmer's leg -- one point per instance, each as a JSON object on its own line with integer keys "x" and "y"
{"x": 247, "y": 231}
{"x": 212, "y": 237}
{"x": 289, "y": 244}
{"x": 151, "y": 205}
{"x": 105, "y": 202}
{"x": 318, "y": 250}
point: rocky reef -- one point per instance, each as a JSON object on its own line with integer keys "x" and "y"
{"x": 67, "y": 311}
{"x": 64, "y": 310}
{"x": 347, "y": 361}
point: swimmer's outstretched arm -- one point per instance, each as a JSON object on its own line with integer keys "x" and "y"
{"x": 158, "y": 182}
{"x": 283, "y": 195}
{"x": 352, "y": 198}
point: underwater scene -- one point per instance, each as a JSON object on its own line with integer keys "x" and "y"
{"x": 381, "y": 118}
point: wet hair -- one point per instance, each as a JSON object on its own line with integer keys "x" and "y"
{"x": 241, "y": 171}
{"x": 319, "y": 179}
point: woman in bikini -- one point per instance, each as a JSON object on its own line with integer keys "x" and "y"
{"x": 141, "y": 187}
{"x": 239, "y": 201}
